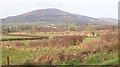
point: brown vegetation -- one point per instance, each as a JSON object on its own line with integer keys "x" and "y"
{"x": 64, "y": 41}
{"x": 107, "y": 43}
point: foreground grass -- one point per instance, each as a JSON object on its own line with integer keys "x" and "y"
{"x": 18, "y": 56}
{"x": 102, "y": 58}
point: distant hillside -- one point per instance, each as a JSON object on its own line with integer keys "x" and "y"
{"x": 109, "y": 20}
{"x": 54, "y": 16}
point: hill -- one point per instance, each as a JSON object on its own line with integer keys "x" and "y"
{"x": 54, "y": 16}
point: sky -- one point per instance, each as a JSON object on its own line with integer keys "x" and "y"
{"x": 91, "y": 8}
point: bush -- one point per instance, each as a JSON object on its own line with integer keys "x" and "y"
{"x": 109, "y": 37}
{"x": 73, "y": 40}
{"x": 19, "y": 44}
{"x": 41, "y": 43}
{"x": 66, "y": 41}
{"x": 34, "y": 44}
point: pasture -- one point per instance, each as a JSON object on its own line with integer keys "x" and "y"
{"x": 59, "y": 49}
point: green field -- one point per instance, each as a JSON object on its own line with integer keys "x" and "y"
{"x": 40, "y": 34}
{"x": 93, "y": 60}
{"x": 19, "y": 56}
{"x": 88, "y": 39}
{"x": 98, "y": 59}
{"x": 11, "y": 37}
{"x": 22, "y": 56}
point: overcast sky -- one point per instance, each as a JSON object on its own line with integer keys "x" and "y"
{"x": 91, "y": 8}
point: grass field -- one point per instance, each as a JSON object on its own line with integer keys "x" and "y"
{"x": 19, "y": 56}
{"x": 88, "y": 39}
{"x": 102, "y": 58}
{"x": 96, "y": 59}
{"x": 39, "y": 34}
{"x": 11, "y": 37}
{"x": 22, "y": 56}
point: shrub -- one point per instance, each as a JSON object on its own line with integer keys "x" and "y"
{"x": 73, "y": 40}
{"x": 34, "y": 44}
{"x": 41, "y": 43}
{"x": 110, "y": 37}
{"x": 66, "y": 41}
{"x": 19, "y": 44}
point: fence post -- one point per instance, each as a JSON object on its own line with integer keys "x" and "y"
{"x": 8, "y": 62}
